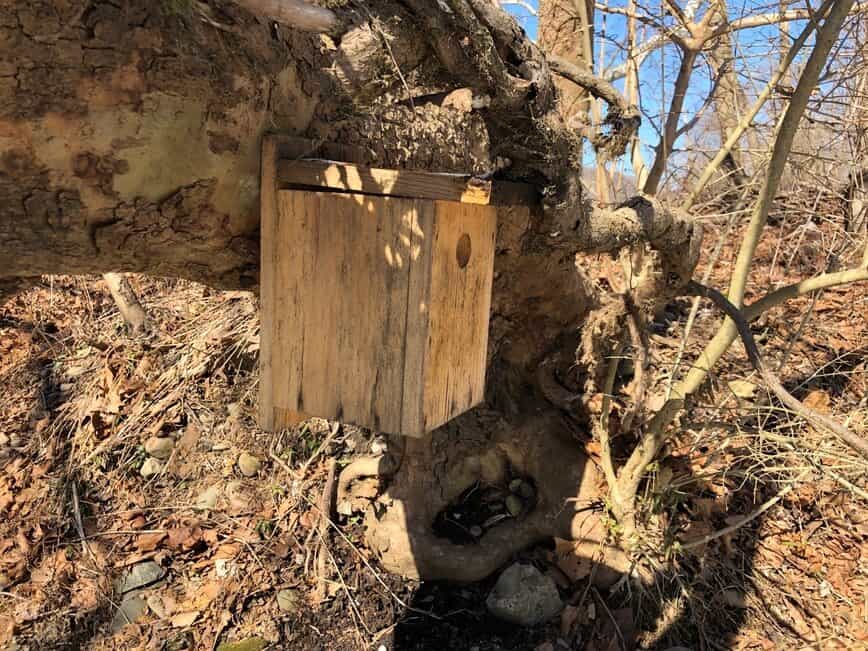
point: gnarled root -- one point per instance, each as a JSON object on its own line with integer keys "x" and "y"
{"x": 438, "y": 469}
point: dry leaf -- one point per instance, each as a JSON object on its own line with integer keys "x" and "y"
{"x": 150, "y": 541}
{"x": 184, "y": 538}
{"x": 187, "y": 442}
{"x": 183, "y": 620}
{"x": 818, "y": 400}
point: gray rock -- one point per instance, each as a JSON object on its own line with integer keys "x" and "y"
{"x": 151, "y": 467}
{"x": 132, "y": 608}
{"x": 523, "y": 595}
{"x": 248, "y": 464}
{"x": 514, "y": 505}
{"x": 159, "y": 447}
{"x": 141, "y": 575}
{"x": 207, "y": 499}
{"x": 288, "y": 601}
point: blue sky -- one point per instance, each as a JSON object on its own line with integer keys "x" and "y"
{"x": 658, "y": 72}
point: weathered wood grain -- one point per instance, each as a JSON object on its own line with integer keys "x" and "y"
{"x": 368, "y": 316}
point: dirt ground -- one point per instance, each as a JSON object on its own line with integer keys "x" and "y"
{"x": 105, "y": 545}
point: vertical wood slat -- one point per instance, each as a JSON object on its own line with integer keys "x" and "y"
{"x": 268, "y": 266}
{"x": 354, "y": 291}
{"x": 460, "y": 298}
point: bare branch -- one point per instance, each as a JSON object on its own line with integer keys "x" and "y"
{"x": 520, "y": 3}
{"x": 622, "y": 118}
{"x": 667, "y": 141}
{"x": 655, "y": 434}
{"x": 856, "y": 442}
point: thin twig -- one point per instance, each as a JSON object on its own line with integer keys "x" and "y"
{"x": 79, "y": 524}
{"x": 325, "y": 502}
{"x": 328, "y": 439}
{"x": 753, "y": 515}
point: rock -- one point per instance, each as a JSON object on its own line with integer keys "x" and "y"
{"x": 151, "y": 467}
{"x": 207, "y": 499}
{"x": 526, "y": 490}
{"x": 157, "y": 605}
{"x": 525, "y": 596}
{"x": 250, "y": 644}
{"x": 734, "y": 598}
{"x": 241, "y": 497}
{"x": 514, "y": 505}
{"x": 248, "y": 464}
{"x": 141, "y": 575}
{"x": 288, "y": 601}
{"x": 132, "y": 608}
{"x": 159, "y": 447}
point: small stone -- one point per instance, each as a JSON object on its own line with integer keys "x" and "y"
{"x": 151, "y": 467}
{"x": 207, "y": 499}
{"x": 379, "y": 446}
{"x": 288, "y": 601}
{"x": 248, "y": 464}
{"x": 525, "y": 596}
{"x": 220, "y": 446}
{"x": 734, "y": 598}
{"x": 132, "y": 608}
{"x": 526, "y": 490}
{"x": 141, "y": 575}
{"x": 515, "y": 485}
{"x": 159, "y": 447}
{"x": 476, "y": 531}
{"x": 514, "y": 505}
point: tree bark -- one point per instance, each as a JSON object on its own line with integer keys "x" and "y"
{"x": 129, "y": 136}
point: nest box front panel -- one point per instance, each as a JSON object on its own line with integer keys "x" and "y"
{"x": 374, "y": 309}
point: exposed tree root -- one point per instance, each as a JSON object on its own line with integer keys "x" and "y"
{"x": 490, "y": 452}
{"x": 128, "y": 303}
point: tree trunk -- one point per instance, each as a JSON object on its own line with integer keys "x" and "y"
{"x": 130, "y": 134}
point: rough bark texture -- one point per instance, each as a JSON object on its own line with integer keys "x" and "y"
{"x": 562, "y": 33}
{"x": 129, "y": 136}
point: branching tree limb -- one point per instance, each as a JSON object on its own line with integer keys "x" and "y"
{"x": 812, "y": 416}
{"x": 655, "y": 435}
{"x": 760, "y": 101}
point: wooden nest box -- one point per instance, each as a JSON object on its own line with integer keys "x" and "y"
{"x": 375, "y": 292}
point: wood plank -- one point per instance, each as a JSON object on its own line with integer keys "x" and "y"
{"x": 421, "y": 226}
{"x": 372, "y": 180}
{"x": 459, "y": 307}
{"x": 293, "y": 148}
{"x": 268, "y": 217}
{"x": 342, "y": 287}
